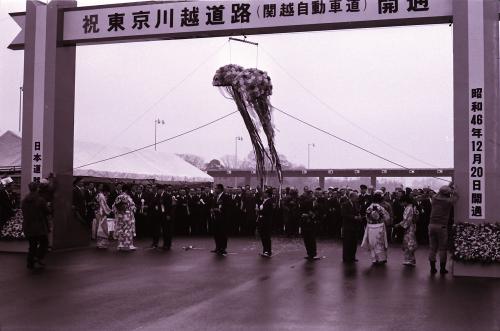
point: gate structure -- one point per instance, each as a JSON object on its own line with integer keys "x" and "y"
{"x": 322, "y": 174}
{"x": 50, "y": 32}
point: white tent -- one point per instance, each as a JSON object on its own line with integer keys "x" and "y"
{"x": 140, "y": 165}
{"x": 10, "y": 150}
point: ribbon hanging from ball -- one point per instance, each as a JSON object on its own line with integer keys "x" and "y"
{"x": 251, "y": 90}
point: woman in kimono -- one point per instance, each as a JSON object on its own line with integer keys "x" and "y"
{"x": 101, "y": 216}
{"x": 375, "y": 237}
{"x": 410, "y": 216}
{"x": 124, "y": 208}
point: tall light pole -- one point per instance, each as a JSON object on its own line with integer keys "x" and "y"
{"x": 20, "y": 105}
{"x": 158, "y": 122}
{"x": 236, "y": 139}
{"x": 309, "y": 154}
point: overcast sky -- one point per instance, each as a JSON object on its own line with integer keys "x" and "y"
{"x": 394, "y": 84}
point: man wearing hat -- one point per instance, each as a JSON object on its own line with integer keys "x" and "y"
{"x": 442, "y": 204}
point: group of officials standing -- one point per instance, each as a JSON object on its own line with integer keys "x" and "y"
{"x": 162, "y": 211}
{"x": 366, "y": 213}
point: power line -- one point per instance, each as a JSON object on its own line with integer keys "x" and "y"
{"x": 341, "y": 115}
{"x": 159, "y": 142}
{"x": 347, "y": 141}
{"x": 230, "y": 114}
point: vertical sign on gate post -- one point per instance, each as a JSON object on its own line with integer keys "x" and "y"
{"x": 39, "y": 95}
{"x": 477, "y": 111}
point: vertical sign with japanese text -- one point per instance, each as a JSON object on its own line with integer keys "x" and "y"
{"x": 39, "y": 94}
{"x": 476, "y": 111}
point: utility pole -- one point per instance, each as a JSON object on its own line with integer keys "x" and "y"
{"x": 158, "y": 122}
{"x": 236, "y": 139}
{"x": 309, "y": 154}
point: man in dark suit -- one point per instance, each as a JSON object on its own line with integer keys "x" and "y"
{"x": 336, "y": 214}
{"x": 79, "y": 207}
{"x": 308, "y": 223}
{"x": 220, "y": 214}
{"x": 322, "y": 210}
{"x": 35, "y": 226}
{"x": 195, "y": 207}
{"x": 162, "y": 218}
{"x": 398, "y": 210}
{"x": 90, "y": 194}
{"x": 238, "y": 212}
{"x": 425, "y": 208}
{"x": 265, "y": 222}
{"x": 140, "y": 213}
{"x": 205, "y": 205}
{"x": 350, "y": 225}
{"x": 182, "y": 213}
{"x": 248, "y": 210}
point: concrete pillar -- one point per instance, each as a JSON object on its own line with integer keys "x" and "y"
{"x": 48, "y": 117}
{"x": 475, "y": 65}
{"x": 322, "y": 182}
{"x": 248, "y": 180}
{"x": 373, "y": 181}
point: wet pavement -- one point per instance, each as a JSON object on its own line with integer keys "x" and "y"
{"x": 195, "y": 290}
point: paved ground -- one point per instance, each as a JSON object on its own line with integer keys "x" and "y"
{"x": 13, "y": 246}
{"x": 196, "y": 290}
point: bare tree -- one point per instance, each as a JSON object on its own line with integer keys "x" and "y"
{"x": 249, "y": 162}
{"x": 195, "y": 160}
{"x": 214, "y": 165}
{"x": 227, "y": 161}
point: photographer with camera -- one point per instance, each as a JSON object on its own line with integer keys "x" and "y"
{"x": 442, "y": 205}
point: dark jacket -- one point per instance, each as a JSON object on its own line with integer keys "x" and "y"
{"x": 266, "y": 213}
{"x": 6, "y": 206}
{"x": 364, "y": 201}
{"x": 221, "y": 207}
{"x": 79, "y": 200}
{"x": 441, "y": 209}
{"x": 35, "y": 212}
{"x": 349, "y": 211}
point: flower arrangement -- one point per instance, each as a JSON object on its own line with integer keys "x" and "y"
{"x": 251, "y": 89}
{"x": 226, "y": 75}
{"x": 13, "y": 228}
{"x": 477, "y": 242}
{"x": 253, "y": 84}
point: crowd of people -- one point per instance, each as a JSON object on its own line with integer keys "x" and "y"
{"x": 8, "y": 203}
{"x": 374, "y": 218}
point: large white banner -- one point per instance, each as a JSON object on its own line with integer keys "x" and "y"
{"x": 136, "y": 21}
